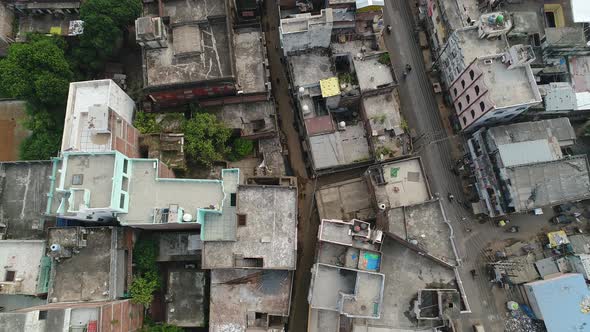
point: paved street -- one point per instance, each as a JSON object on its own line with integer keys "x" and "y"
{"x": 420, "y": 109}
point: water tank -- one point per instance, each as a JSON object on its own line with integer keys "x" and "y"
{"x": 187, "y": 217}
{"x": 55, "y": 247}
{"x": 491, "y": 19}
{"x": 341, "y": 125}
{"x": 500, "y": 19}
{"x": 301, "y": 90}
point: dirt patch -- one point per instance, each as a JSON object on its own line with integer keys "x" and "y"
{"x": 12, "y": 133}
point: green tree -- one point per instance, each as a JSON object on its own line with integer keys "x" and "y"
{"x": 205, "y": 138}
{"x": 37, "y": 72}
{"x": 104, "y": 23}
{"x": 146, "y": 123}
{"x": 142, "y": 289}
{"x": 145, "y": 253}
{"x": 45, "y": 139}
{"x": 241, "y": 148}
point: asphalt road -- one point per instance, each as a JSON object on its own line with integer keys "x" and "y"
{"x": 420, "y": 109}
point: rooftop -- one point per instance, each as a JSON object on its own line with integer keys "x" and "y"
{"x": 559, "y": 128}
{"x": 509, "y": 87}
{"x": 187, "y": 61}
{"x": 242, "y": 299}
{"x": 371, "y": 73}
{"x": 425, "y": 226}
{"x": 87, "y": 269}
{"x": 12, "y": 129}
{"x": 23, "y": 198}
{"x": 24, "y": 258}
{"x": 185, "y": 298}
{"x": 547, "y": 183}
{"x": 87, "y": 125}
{"x": 399, "y": 183}
{"x": 342, "y": 147}
{"x": 250, "y": 50}
{"x": 565, "y": 36}
{"x": 265, "y": 230}
{"x": 562, "y": 302}
{"x": 253, "y": 119}
{"x": 179, "y": 246}
{"x": 527, "y": 152}
{"x": 353, "y": 293}
{"x": 354, "y": 233}
{"x": 309, "y": 68}
{"x": 345, "y": 200}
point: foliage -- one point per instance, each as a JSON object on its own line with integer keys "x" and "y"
{"x": 241, "y": 148}
{"x": 161, "y": 328}
{"x": 146, "y": 123}
{"x": 37, "y": 72}
{"x": 145, "y": 253}
{"x": 104, "y": 22}
{"x": 45, "y": 139}
{"x": 384, "y": 59}
{"x": 142, "y": 289}
{"x": 205, "y": 138}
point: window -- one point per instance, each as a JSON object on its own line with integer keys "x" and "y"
{"x": 455, "y": 91}
{"x": 468, "y": 99}
{"x": 122, "y": 201}
{"x": 477, "y": 90}
{"x": 125, "y": 164}
{"x": 232, "y": 199}
{"x": 472, "y": 114}
{"x": 471, "y": 74}
{"x": 464, "y": 120}
{"x": 482, "y": 106}
{"x": 42, "y": 314}
{"x": 10, "y": 275}
{"x": 241, "y": 220}
{"x": 463, "y": 84}
{"x": 460, "y": 106}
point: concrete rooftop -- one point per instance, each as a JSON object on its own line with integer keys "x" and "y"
{"x": 96, "y": 172}
{"x": 405, "y": 183}
{"x": 509, "y": 87}
{"x": 236, "y": 295}
{"x": 23, "y": 198}
{"x": 186, "y": 291}
{"x": 90, "y": 274}
{"x": 269, "y": 233}
{"x": 345, "y": 200}
{"x": 163, "y": 67}
{"x": 371, "y": 73}
{"x": 559, "y": 128}
{"x": 250, "y": 53}
{"x": 340, "y": 148}
{"x": 254, "y": 118}
{"x": 310, "y": 68}
{"x": 23, "y": 257}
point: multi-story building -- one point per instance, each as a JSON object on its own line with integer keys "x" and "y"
{"x": 521, "y": 167}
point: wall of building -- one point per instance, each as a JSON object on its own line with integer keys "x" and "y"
{"x": 125, "y": 138}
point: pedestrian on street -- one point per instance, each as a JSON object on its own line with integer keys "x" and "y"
{"x": 408, "y": 67}
{"x": 451, "y": 197}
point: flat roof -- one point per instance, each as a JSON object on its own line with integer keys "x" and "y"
{"x": 214, "y": 61}
{"x": 23, "y": 197}
{"x": 23, "y": 257}
{"x": 89, "y": 274}
{"x": 179, "y": 246}
{"x": 371, "y": 73}
{"x": 580, "y": 73}
{"x": 82, "y": 96}
{"x": 426, "y": 225}
{"x": 559, "y": 128}
{"x": 509, "y": 87}
{"x": 404, "y": 183}
{"x": 92, "y": 172}
{"x": 269, "y": 233}
{"x": 354, "y": 293}
{"x": 344, "y": 233}
{"x": 342, "y": 147}
{"x": 527, "y": 152}
{"x": 185, "y": 298}
{"x": 581, "y": 11}
{"x": 345, "y": 200}
{"x": 237, "y": 294}
{"x": 250, "y": 53}
{"x": 473, "y": 47}
{"x": 252, "y": 118}
{"x": 309, "y": 68}
{"x": 541, "y": 184}
{"x": 148, "y": 191}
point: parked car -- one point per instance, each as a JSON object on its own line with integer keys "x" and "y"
{"x": 563, "y": 219}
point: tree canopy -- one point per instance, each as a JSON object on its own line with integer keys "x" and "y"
{"x": 37, "y": 72}
{"x": 205, "y": 138}
{"x": 45, "y": 138}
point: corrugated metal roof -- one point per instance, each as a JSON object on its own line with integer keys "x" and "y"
{"x": 526, "y": 152}
{"x": 560, "y": 302}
